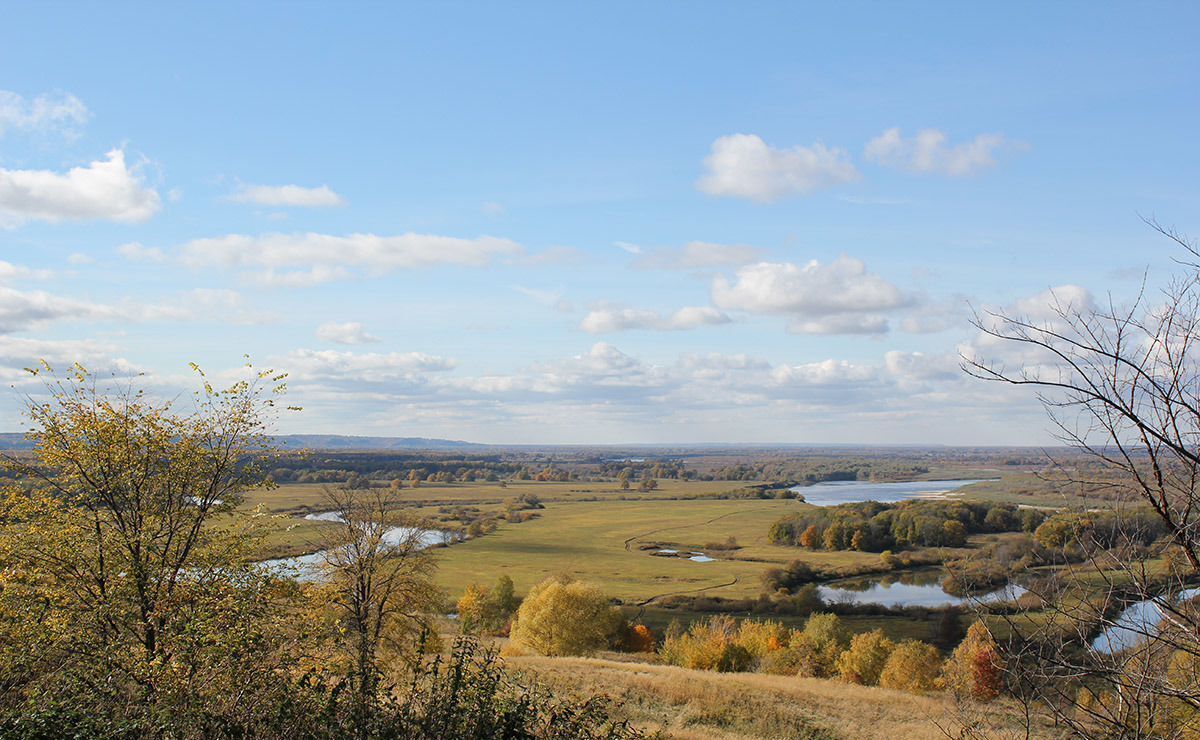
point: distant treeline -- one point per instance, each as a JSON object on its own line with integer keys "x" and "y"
{"x": 820, "y": 470}
{"x": 871, "y": 526}
{"x": 332, "y": 466}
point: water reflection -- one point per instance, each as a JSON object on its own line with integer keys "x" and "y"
{"x": 832, "y": 493}
{"x": 1136, "y": 623}
{"x": 308, "y": 567}
{"x": 911, "y": 588}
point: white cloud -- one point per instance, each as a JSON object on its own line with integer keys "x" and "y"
{"x": 745, "y": 166}
{"x": 79, "y": 258}
{"x": 18, "y": 353}
{"x": 607, "y": 320}
{"x": 493, "y": 209}
{"x": 23, "y": 310}
{"x": 928, "y": 152}
{"x": 837, "y": 298}
{"x": 20, "y": 310}
{"x": 699, "y": 256}
{"x": 47, "y": 112}
{"x": 311, "y": 258}
{"x": 296, "y": 196}
{"x": 1043, "y": 310}
{"x": 136, "y": 252}
{"x": 628, "y": 247}
{"x": 9, "y": 272}
{"x": 351, "y": 332}
{"x": 103, "y": 190}
{"x": 370, "y": 367}
{"x": 841, "y": 324}
{"x": 825, "y": 372}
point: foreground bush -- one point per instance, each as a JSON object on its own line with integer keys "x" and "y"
{"x": 561, "y": 616}
{"x": 864, "y": 660}
{"x": 976, "y": 669}
{"x": 913, "y": 666}
{"x": 126, "y": 613}
{"x": 467, "y": 695}
{"x": 720, "y": 643}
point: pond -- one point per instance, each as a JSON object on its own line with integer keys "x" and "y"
{"x": 307, "y": 567}
{"x": 915, "y": 588}
{"x": 1135, "y": 623}
{"x": 832, "y": 493}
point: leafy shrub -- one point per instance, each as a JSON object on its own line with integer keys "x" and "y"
{"x": 866, "y": 657}
{"x": 721, "y": 644}
{"x": 976, "y": 669}
{"x": 562, "y": 616}
{"x": 913, "y": 666}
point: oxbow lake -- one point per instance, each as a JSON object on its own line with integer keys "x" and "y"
{"x": 1135, "y": 623}
{"x": 307, "y": 567}
{"x": 916, "y": 588}
{"x": 832, "y": 493}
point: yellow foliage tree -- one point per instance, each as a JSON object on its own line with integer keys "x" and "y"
{"x": 913, "y": 666}
{"x": 562, "y": 616}
{"x": 472, "y": 607}
{"x": 117, "y": 586}
{"x": 866, "y": 657}
{"x": 976, "y": 669}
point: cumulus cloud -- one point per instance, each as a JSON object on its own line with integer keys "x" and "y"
{"x": 21, "y": 310}
{"x": 365, "y": 367}
{"x": 18, "y": 353}
{"x": 105, "y": 190}
{"x": 745, "y": 166}
{"x": 614, "y": 394}
{"x": 836, "y": 298}
{"x": 295, "y": 196}
{"x": 10, "y": 272}
{"x": 311, "y": 258}
{"x": 137, "y": 252}
{"x": 699, "y": 256}
{"x": 1043, "y": 310}
{"x": 929, "y": 152}
{"x": 825, "y": 372}
{"x": 607, "y": 320}
{"x": 351, "y": 332}
{"x": 60, "y": 112}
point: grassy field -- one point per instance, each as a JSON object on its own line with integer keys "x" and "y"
{"x": 601, "y": 541}
{"x": 690, "y": 705}
{"x": 593, "y": 531}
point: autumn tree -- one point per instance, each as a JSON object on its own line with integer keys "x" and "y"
{"x": 376, "y": 588}
{"x": 563, "y": 616}
{"x": 913, "y": 666}
{"x": 488, "y": 610}
{"x": 1119, "y": 382}
{"x": 126, "y": 592}
{"x": 819, "y": 645}
{"x": 976, "y": 669}
{"x": 811, "y": 537}
{"x": 866, "y": 657}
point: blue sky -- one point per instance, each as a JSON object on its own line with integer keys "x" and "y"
{"x": 700, "y": 222}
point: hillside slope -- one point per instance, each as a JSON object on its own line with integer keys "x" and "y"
{"x": 690, "y": 705}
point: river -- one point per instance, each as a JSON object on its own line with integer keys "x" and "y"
{"x": 832, "y": 493}
{"x": 914, "y": 588}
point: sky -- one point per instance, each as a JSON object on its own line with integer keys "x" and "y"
{"x": 602, "y": 223}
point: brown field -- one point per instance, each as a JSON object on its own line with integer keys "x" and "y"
{"x": 689, "y": 704}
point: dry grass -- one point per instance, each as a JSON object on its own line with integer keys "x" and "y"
{"x": 690, "y": 704}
